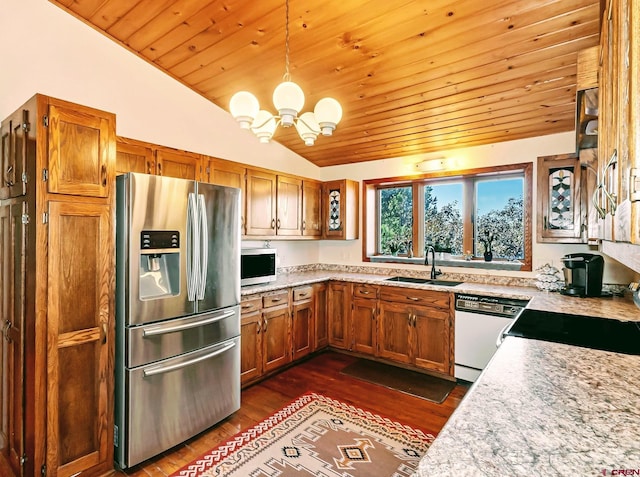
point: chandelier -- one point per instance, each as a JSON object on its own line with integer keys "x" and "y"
{"x": 288, "y": 99}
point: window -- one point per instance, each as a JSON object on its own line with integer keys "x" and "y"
{"x": 478, "y": 216}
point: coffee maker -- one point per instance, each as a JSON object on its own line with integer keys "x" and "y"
{"x": 583, "y": 274}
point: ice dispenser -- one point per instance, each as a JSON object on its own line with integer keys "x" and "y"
{"x": 159, "y": 264}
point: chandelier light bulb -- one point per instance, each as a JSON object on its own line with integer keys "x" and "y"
{"x": 244, "y": 107}
{"x": 308, "y": 128}
{"x": 328, "y": 113}
{"x": 288, "y": 98}
{"x": 264, "y": 126}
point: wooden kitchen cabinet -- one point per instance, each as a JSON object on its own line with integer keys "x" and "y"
{"x": 261, "y": 202}
{"x": 340, "y": 209}
{"x": 288, "y": 206}
{"x": 276, "y": 329}
{"x": 321, "y": 324}
{"x": 176, "y": 163}
{"x": 618, "y": 194}
{"x": 415, "y": 327}
{"x": 250, "y": 339}
{"x": 364, "y": 306}
{"x": 13, "y": 153}
{"x": 57, "y": 276}
{"x": 134, "y": 156}
{"x": 265, "y": 334}
{"x": 302, "y": 321}
{"x": 311, "y": 208}
{"x": 561, "y": 212}
{"x": 339, "y": 310}
{"x": 230, "y": 174}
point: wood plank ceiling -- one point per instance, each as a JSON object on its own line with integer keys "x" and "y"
{"x": 413, "y": 76}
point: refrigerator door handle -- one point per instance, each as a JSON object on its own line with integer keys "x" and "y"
{"x": 165, "y": 328}
{"x": 172, "y": 367}
{"x": 204, "y": 245}
{"x": 192, "y": 248}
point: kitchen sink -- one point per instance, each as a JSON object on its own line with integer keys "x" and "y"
{"x": 426, "y": 281}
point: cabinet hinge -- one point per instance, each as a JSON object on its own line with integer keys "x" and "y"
{"x": 43, "y": 470}
{"x": 25, "y": 219}
{"x": 25, "y": 177}
{"x": 26, "y": 126}
{"x": 45, "y": 218}
{"x": 45, "y": 121}
{"x": 634, "y": 186}
{"x": 45, "y": 175}
{"x": 23, "y": 460}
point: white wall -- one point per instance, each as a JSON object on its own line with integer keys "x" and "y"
{"x": 48, "y": 51}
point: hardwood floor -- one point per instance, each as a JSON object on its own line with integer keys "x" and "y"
{"x": 319, "y": 374}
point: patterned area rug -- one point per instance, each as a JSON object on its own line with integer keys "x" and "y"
{"x": 316, "y": 436}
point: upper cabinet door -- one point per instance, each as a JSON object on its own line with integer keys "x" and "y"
{"x": 261, "y": 203}
{"x": 289, "y": 207}
{"x": 559, "y": 217}
{"x": 132, "y": 157}
{"x": 176, "y": 163}
{"x": 13, "y": 155}
{"x": 311, "y": 209}
{"x": 81, "y": 142}
{"x": 230, "y": 174}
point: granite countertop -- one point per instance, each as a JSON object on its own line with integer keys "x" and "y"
{"x": 621, "y": 308}
{"x": 543, "y": 408}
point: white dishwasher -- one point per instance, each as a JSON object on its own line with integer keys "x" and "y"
{"x": 479, "y": 320}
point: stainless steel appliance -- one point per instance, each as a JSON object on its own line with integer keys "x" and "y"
{"x": 479, "y": 321}
{"x": 583, "y": 274}
{"x": 177, "y": 311}
{"x": 257, "y": 265}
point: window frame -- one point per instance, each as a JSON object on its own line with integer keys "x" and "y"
{"x": 371, "y": 216}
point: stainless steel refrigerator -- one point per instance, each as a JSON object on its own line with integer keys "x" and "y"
{"x": 177, "y": 311}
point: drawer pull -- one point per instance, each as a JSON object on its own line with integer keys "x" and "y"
{"x": 413, "y": 298}
{"x": 364, "y": 292}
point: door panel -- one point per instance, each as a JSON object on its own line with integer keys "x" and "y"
{"x": 81, "y": 142}
{"x": 275, "y": 326}
{"x": 250, "y": 346}
{"x": 432, "y": 338}
{"x": 289, "y": 208}
{"x": 394, "y": 331}
{"x": 261, "y": 203}
{"x": 79, "y": 384}
{"x": 302, "y": 328}
{"x": 364, "y": 326}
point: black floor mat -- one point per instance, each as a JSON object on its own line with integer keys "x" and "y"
{"x": 410, "y": 382}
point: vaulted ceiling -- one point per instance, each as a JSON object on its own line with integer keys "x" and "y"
{"x": 413, "y": 76}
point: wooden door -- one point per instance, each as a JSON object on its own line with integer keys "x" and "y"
{"x": 276, "y": 328}
{"x": 311, "y": 209}
{"x": 431, "y": 340}
{"x": 250, "y": 346}
{"x": 13, "y": 178}
{"x": 302, "y": 328}
{"x": 12, "y": 346}
{"x": 79, "y": 337}
{"x": 261, "y": 203}
{"x": 81, "y": 145}
{"x": 180, "y": 164}
{"x": 289, "y": 206}
{"x": 363, "y": 316}
{"x": 230, "y": 174}
{"x": 338, "y": 309}
{"x": 394, "y": 338}
{"x": 321, "y": 331}
{"x": 132, "y": 156}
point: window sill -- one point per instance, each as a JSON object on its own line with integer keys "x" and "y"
{"x": 451, "y": 262}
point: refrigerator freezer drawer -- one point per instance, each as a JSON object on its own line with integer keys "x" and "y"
{"x": 170, "y": 401}
{"x": 156, "y": 341}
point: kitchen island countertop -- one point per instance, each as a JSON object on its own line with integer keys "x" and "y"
{"x": 544, "y": 408}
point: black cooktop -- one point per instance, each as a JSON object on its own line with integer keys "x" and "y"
{"x": 587, "y": 331}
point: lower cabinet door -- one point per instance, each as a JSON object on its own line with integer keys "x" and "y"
{"x": 394, "y": 322}
{"x": 79, "y": 336}
{"x": 275, "y": 338}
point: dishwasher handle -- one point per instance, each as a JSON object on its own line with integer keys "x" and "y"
{"x": 503, "y": 334}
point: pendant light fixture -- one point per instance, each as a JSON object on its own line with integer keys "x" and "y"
{"x": 288, "y": 99}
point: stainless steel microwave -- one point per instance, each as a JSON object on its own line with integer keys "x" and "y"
{"x": 257, "y": 265}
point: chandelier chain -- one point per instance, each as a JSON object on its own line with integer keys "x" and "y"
{"x": 287, "y": 76}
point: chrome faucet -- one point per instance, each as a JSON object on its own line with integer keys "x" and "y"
{"x": 432, "y": 251}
